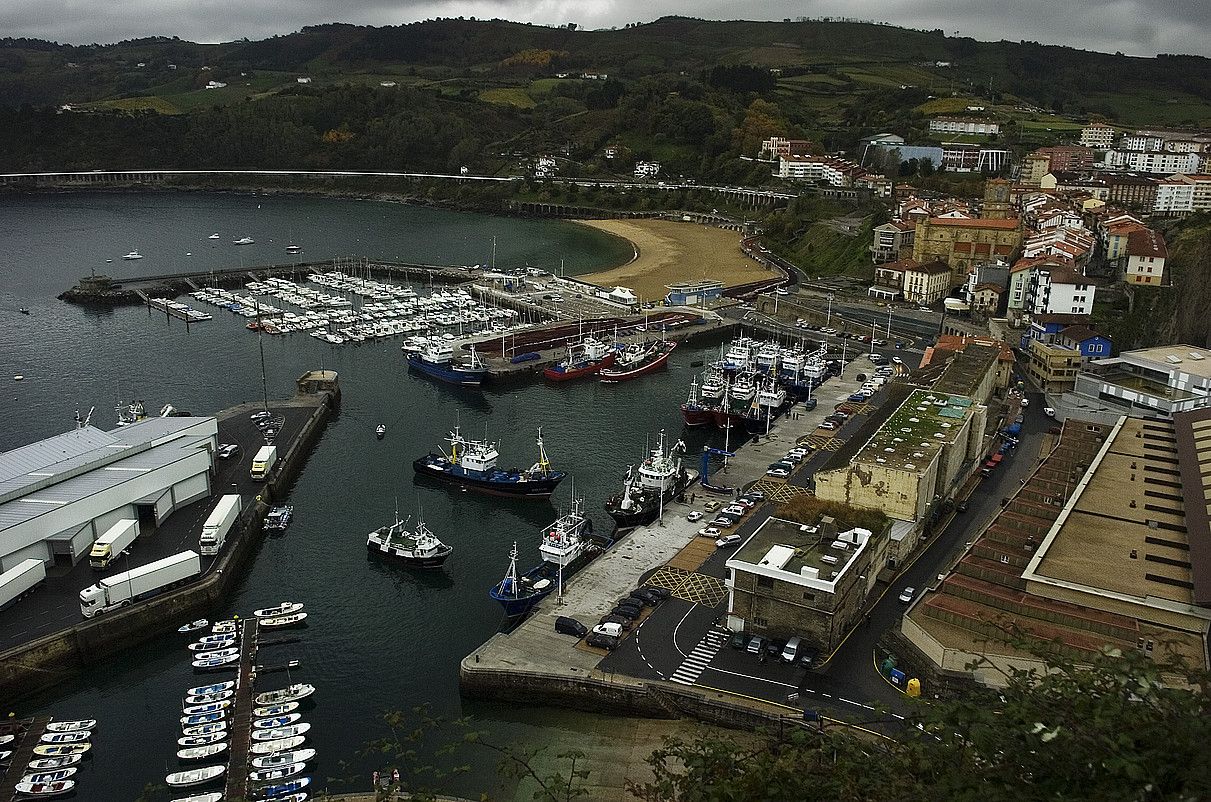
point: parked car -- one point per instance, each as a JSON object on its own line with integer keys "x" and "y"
{"x": 756, "y": 645}
{"x": 735, "y": 509}
{"x": 794, "y": 459}
{"x": 727, "y": 540}
{"x": 711, "y": 505}
{"x": 602, "y": 641}
{"x": 629, "y": 613}
{"x": 962, "y": 506}
{"x": 649, "y": 598}
{"x": 570, "y": 626}
{"x": 625, "y": 623}
{"x": 228, "y": 450}
{"x": 694, "y": 516}
{"x": 613, "y": 630}
{"x": 1025, "y": 401}
{"x": 662, "y": 593}
{"x": 778, "y": 473}
{"x": 710, "y": 531}
{"x": 774, "y": 646}
{"x": 907, "y": 594}
{"x": 897, "y": 360}
{"x": 260, "y": 416}
{"x": 757, "y": 494}
{"x": 1049, "y": 411}
{"x": 746, "y": 502}
{"x": 859, "y": 397}
{"x": 827, "y": 424}
{"x": 738, "y": 640}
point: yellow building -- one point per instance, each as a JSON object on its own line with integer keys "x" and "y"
{"x": 1053, "y": 367}
{"x": 963, "y": 244}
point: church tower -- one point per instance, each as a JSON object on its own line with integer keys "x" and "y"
{"x": 996, "y": 200}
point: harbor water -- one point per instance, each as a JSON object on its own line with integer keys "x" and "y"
{"x": 381, "y": 637}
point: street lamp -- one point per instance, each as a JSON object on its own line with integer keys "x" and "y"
{"x": 889, "y": 308}
{"x": 829, "y": 320}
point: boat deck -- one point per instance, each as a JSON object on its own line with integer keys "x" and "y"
{"x": 23, "y": 753}
{"x": 241, "y": 717}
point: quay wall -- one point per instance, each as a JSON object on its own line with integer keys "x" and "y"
{"x": 46, "y": 661}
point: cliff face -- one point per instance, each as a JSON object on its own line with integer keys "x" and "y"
{"x": 1180, "y": 312}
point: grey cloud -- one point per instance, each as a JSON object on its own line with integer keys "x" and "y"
{"x": 1136, "y": 27}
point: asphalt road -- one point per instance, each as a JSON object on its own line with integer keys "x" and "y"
{"x": 56, "y": 604}
{"x": 680, "y": 641}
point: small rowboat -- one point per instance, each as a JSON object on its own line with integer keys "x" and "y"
{"x": 47, "y": 763}
{"x": 213, "y": 796}
{"x": 281, "y": 621}
{"x": 205, "y": 729}
{"x": 275, "y": 774}
{"x": 279, "y": 733}
{"x": 201, "y": 752}
{"x": 275, "y": 721}
{"x": 283, "y": 745}
{"x": 224, "y": 627}
{"x": 292, "y": 693}
{"x": 285, "y": 608}
{"x": 207, "y": 698}
{"x": 72, "y": 726}
{"x": 204, "y": 774}
{"x": 201, "y": 740}
{"x": 194, "y": 626}
{"x": 217, "y": 654}
{"x": 203, "y": 718}
{"x": 283, "y": 759}
{"x": 46, "y": 790}
{"x": 7, "y": 739}
{"x": 66, "y": 737}
{"x": 60, "y": 750}
{"x": 216, "y": 663}
{"x": 279, "y": 709}
{"x": 214, "y": 688}
{"x": 5, "y": 755}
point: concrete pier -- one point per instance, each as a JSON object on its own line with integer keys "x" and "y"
{"x": 23, "y": 753}
{"x": 241, "y": 716}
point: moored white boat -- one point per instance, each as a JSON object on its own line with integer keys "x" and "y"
{"x": 285, "y": 608}
{"x": 66, "y": 737}
{"x": 283, "y": 758}
{"x": 205, "y": 729}
{"x": 214, "y": 687}
{"x": 202, "y": 752}
{"x": 72, "y": 726}
{"x": 52, "y": 776}
{"x": 281, "y": 745}
{"x": 282, "y": 621}
{"x": 45, "y": 790}
{"x": 292, "y": 693}
{"x": 194, "y": 626}
{"x": 276, "y": 773}
{"x": 280, "y": 709}
{"x": 208, "y": 707}
{"x": 59, "y": 750}
{"x": 203, "y": 774}
{"x": 275, "y": 721}
{"x": 212, "y": 796}
{"x": 202, "y": 740}
{"x": 279, "y": 733}
{"x": 212, "y": 642}
{"x": 47, "y": 763}
{"x": 207, "y": 698}
{"x": 202, "y": 718}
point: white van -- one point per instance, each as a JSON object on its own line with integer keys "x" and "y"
{"x": 791, "y": 651}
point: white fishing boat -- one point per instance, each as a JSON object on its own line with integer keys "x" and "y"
{"x": 61, "y": 750}
{"x": 282, "y": 621}
{"x": 282, "y": 745}
{"x": 207, "y": 698}
{"x": 202, "y": 752}
{"x": 275, "y": 721}
{"x": 208, "y": 707}
{"x": 226, "y": 627}
{"x": 280, "y": 709}
{"x": 203, "y": 774}
{"x": 66, "y": 737}
{"x": 132, "y": 256}
{"x": 45, "y": 763}
{"x": 55, "y": 775}
{"x": 276, "y": 773}
{"x": 285, "y": 608}
{"x": 214, "y": 687}
{"x": 283, "y": 759}
{"x": 292, "y": 693}
{"x": 45, "y": 790}
{"x": 72, "y": 726}
{"x": 245, "y": 240}
{"x": 214, "y": 727}
{"x": 194, "y": 626}
{"x": 202, "y": 740}
{"x": 279, "y": 733}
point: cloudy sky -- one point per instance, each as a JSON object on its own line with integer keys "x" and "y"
{"x": 1135, "y": 27}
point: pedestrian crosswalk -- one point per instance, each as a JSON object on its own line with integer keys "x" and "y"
{"x": 696, "y": 661}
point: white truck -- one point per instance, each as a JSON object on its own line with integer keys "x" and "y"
{"x": 263, "y": 462}
{"x": 115, "y": 541}
{"x": 20, "y": 578}
{"x": 214, "y": 531}
{"x": 130, "y": 586}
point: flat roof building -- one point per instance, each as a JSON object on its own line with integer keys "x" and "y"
{"x": 1148, "y": 382}
{"x": 60, "y": 494}
{"x": 1103, "y": 546}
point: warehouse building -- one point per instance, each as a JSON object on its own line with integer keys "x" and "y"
{"x": 60, "y": 494}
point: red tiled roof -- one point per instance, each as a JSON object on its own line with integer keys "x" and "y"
{"x": 1146, "y": 242}
{"x": 900, "y": 265}
{"x": 978, "y": 222}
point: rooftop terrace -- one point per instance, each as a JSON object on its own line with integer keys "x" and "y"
{"x": 914, "y": 434}
{"x": 816, "y": 555}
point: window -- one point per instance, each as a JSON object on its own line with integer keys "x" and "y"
{"x": 765, "y": 582}
{"x": 759, "y": 621}
{"x": 809, "y": 596}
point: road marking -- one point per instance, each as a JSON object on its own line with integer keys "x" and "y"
{"x": 750, "y": 676}
{"x": 677, "y": 629}
{"x": 696, "y": 662}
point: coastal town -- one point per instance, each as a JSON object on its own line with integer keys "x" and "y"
{"x": 821, "y": 457}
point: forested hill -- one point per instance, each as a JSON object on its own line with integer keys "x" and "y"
{"x": 692, "y": 94}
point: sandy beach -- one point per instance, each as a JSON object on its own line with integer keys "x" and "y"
{"x": 668, "y": 252}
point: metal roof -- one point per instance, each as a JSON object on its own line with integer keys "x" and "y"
{"x": 45, "y": 453}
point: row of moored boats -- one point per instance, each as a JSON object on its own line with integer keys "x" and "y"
{"x": 61, "y": 748}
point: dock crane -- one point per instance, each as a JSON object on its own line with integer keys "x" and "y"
{"x": 704, "y": 474}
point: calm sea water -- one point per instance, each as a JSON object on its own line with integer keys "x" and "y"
{"x": 381, "y": 637}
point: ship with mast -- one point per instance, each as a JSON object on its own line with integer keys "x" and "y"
{"x": 585, "y": 358}
{"x": 472, "y": 464}
{"x": 436, "y": 360}
{"x": 646, "y": 489}
{"x": 638, "y": 359}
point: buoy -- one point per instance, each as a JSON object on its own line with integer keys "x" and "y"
{"x": 18, "y": 377}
